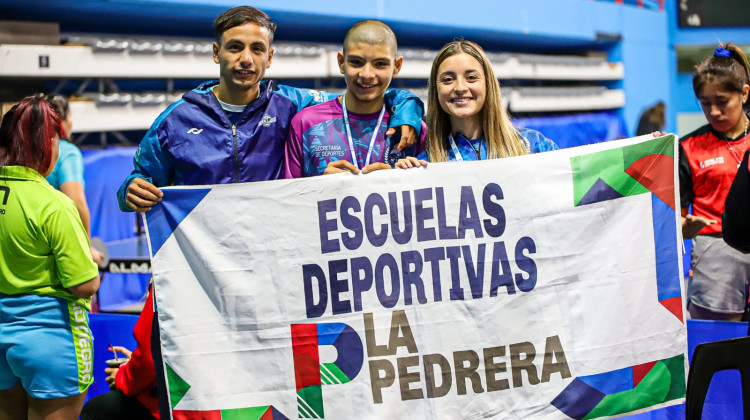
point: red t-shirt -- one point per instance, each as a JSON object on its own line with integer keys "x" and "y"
{"x": 138, "y": 376}
{"x": 708, "y": 165}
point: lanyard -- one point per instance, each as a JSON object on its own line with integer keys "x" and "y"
{"x": 457, "y": 153}
{"x": 349, "y": 135}
{"x": 460, "y": 158}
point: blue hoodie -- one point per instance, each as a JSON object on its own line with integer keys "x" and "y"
{"x": 193, "y": 142}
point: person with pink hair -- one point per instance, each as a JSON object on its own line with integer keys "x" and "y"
{"x": 47, "y": 276}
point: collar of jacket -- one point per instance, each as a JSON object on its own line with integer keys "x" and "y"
{"x": 203, "y": 97}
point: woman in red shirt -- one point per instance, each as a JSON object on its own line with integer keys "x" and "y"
{"x": 709, "y": 157}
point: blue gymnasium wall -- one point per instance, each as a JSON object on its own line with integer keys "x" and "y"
{"x": 638, "y": 37}
{"x": 683, "y": 99}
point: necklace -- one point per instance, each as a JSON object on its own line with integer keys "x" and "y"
{"x": 459, "y": 158}
{"x": 731, "y": 149}
{"x": 477, "y": 148}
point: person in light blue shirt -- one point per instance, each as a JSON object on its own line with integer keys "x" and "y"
{"x": 69, "y": 166}
{"x": 67, "y": 176}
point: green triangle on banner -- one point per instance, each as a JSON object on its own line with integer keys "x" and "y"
{"x": 676, "y": 366}
{"x": 653, "y": 389}
{"x": 250, "y": 413}
{"x": 662, "y": 146}
{"x": 177, "y": 386}
{"x": 607, "y": 166}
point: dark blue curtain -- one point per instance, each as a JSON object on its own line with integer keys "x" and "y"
{"x": 577, "y": 129}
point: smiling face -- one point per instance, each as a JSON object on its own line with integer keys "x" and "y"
{"x": 461, "y": 89}
{"x": 723, "y": 109}
{"x": 368, "y": 71}
{"x": 243, "y": 56}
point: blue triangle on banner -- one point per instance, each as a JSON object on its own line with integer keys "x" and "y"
{"x": 276, "y": 414}
{"x": 600, "y": 191}
{"x": 164, "y": 217}
{"x": 665, "y": 247}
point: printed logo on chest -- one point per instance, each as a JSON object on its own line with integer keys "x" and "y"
{"x": 267, "y": 120}
{"x": 329, "y": 150}
{"x": 711, "y": 162}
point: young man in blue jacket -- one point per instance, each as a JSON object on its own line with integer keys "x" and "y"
{"x": 234, "y": 130}
{"x": 230, "y": 131}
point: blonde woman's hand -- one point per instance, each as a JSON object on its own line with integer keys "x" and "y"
{"x": 410, "y": 162}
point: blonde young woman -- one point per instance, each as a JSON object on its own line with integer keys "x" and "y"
{"x": 465, "y": 118}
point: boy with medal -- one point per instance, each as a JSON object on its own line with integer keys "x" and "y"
{"x": 347, "y": 134}
{"x": 234, "y": 129}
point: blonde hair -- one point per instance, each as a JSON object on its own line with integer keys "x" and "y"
{"x": 501, "y": 136}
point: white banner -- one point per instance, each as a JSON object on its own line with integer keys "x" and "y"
{"x": 545, "y": 286}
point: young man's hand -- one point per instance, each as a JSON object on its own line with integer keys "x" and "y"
{"x": 142, "y": 195}
{"x": 345, "y": 166}
{"x": 340, "y": 166}
{"x": 375, "y": 167}
{"x": 408, "y": 136}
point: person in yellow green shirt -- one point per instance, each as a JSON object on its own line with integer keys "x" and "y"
{"x": 47, "y": 276}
